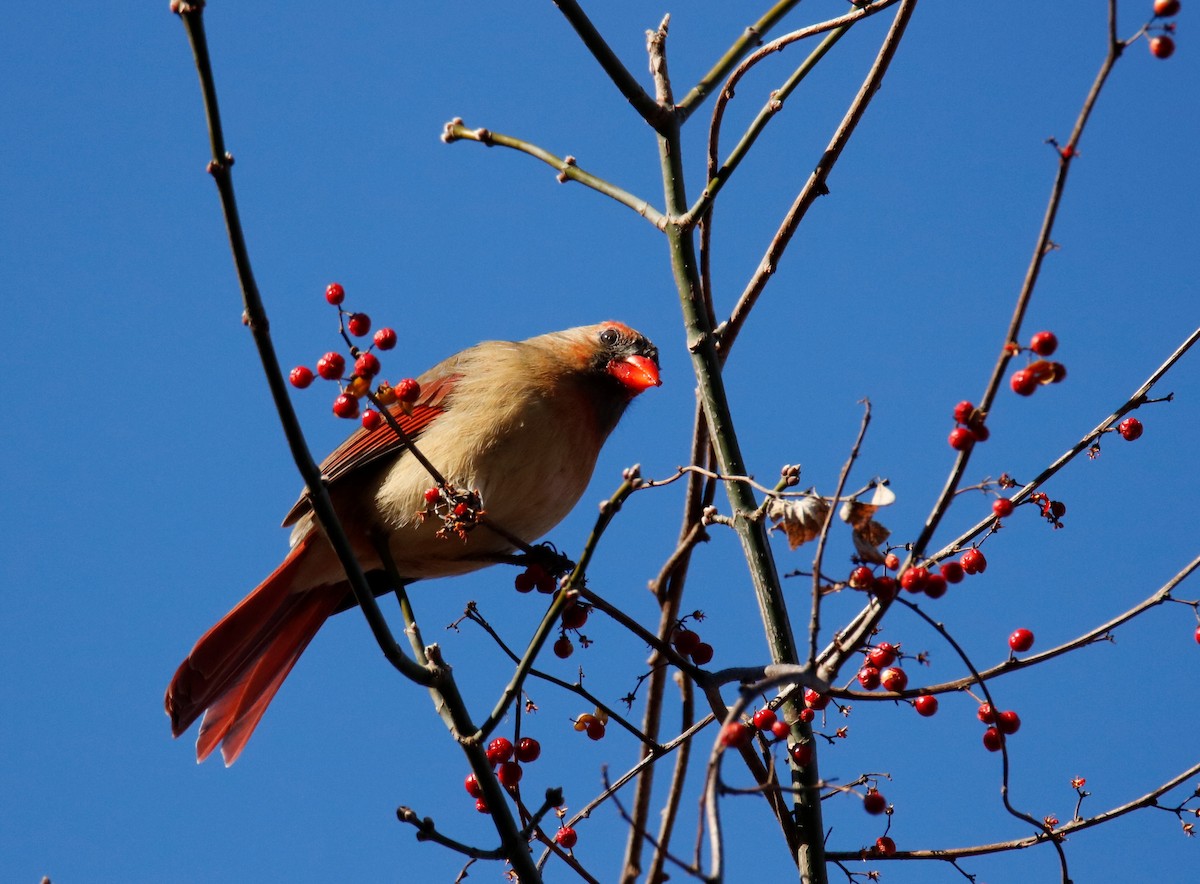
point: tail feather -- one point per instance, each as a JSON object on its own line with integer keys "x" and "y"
{"x": 236, "y": 667}
{"x": 231, "y": 720}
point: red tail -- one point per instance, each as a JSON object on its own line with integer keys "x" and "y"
{"x": 237, "y": 666}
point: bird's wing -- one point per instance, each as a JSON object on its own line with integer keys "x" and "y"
{"x": 364, "y": 446}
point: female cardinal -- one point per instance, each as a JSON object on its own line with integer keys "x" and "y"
{"x": 520, "y": 423}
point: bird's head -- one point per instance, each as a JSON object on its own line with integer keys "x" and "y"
{"x": 624, "y": 354}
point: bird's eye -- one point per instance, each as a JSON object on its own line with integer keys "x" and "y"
{"x": 609, "y": 336}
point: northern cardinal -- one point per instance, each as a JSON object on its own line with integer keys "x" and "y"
{"x": 520, "y": 422}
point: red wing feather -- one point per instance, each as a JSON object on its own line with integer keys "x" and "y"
{"x": 364, "y": 446}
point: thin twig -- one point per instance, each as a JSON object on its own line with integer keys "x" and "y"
{"x": 1042, "y": 246}
{"x": 814, "y": 626}
{"x": 816, "y": 185}
{"x": 566, "y": 167}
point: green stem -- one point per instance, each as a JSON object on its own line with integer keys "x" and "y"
{"x": 455, "y": 130}
{"x": 750, "y": 38}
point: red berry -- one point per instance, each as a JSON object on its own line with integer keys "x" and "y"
{"x": 1002, "y": 507}
{"x": 566, "y": 838}
{"x": 914, "y": 579}
{"x": 385, "y": 338}
{"x": 371, "y": 419}
{"x": 953, "y": 572}
{"x": 510, "y": 774}
{"x": 1021, "y": 640}
{"x": 563, "y": 648}
{"x": 543, "y": 579}
{"x": 781, "y": 729}
{"x": 1162, "y": 46}
{"x": 963, "y": 412}
{"x": 885, "y": 588}
{"x": 1008, "y": 722}
{"x": 807, "y": 715}
{"x": 926, "y": 705}
{"x": 358, "y": 324}
{"x": 575, "y": 616}
{"x": 1198, "y": 635}
{"x": 367, "y": 365}
{"x": 893, "y": 679}
{"x": 331, "y": 365}
{"x": 499, "y": 750}
{"x": 408, "y": 390}
{"x": 973, "y": 562}
{"x": 861, "y": 577}
{"x": 735, "y": 734}
{"x": 523, "y": 582}
{"x": 461, "y": 510}
{"x": 992, "y": 740}
{"x": 595, "y": 729}
{"x": 885, "y": 846}
{"x": 765, "y": 718}
{"x": 986, "y": 713}
{"x": 473, "y": 787}
{"x": 868, "y": 677}
{"x": 345, "y": 406}
{"x": 874, "y": 803}
{"x": 334, "y": 293}
{"x": 432, "y": 495}
{"x": 891, "y": 561}
{"x": 703, "y": 654}
{"x": 883, "y": 654}
{"x": 300, "y": 376}
{"x": 814, "y": 699}
{"x": 481, "y": 806}
{"x": 1043, "y": 343}
{"x": 1166, "y": 8}
{"x": 935, "y": 586}
{"x": 684, "y": 640}
{"x": 528, "y": 750}
{"x": 961, "y": 439}
{"x": 1023, "y": 383}
{"x": 802, "y": 754}
{"x": 1130, "y": 429}
{"x": 980, "y": 431}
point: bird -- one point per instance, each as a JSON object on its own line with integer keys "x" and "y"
{"x": 519, "y": 424}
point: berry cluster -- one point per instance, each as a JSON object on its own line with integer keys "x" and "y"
{"x": 1025, "y": 381}
{"x": 365, "y": 367}
{"x": 736, "y": 734}
{"x": 594, "y": 724}
{"x": 506, "y": 759}
{"x": 970, "y": 429}
{"x": 533, "y": 577}
{"x": 687, "y": 643}
{"x": 1000, "y": 724}
{"x": 574, "y": 616}
{"x": 459, "y": 511}
{"x": 1052, "y": 510}
{"x": 1163, "y": 45}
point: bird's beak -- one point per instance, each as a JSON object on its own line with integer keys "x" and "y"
{"x": 636, "y": 373}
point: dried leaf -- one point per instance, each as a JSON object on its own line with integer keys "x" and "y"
{"x": 867, "y": 542}
{"x": 799, "y": 518}
{"x": 857, "y": 513}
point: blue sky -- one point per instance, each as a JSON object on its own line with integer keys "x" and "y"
{"x": 144, "y": 472}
